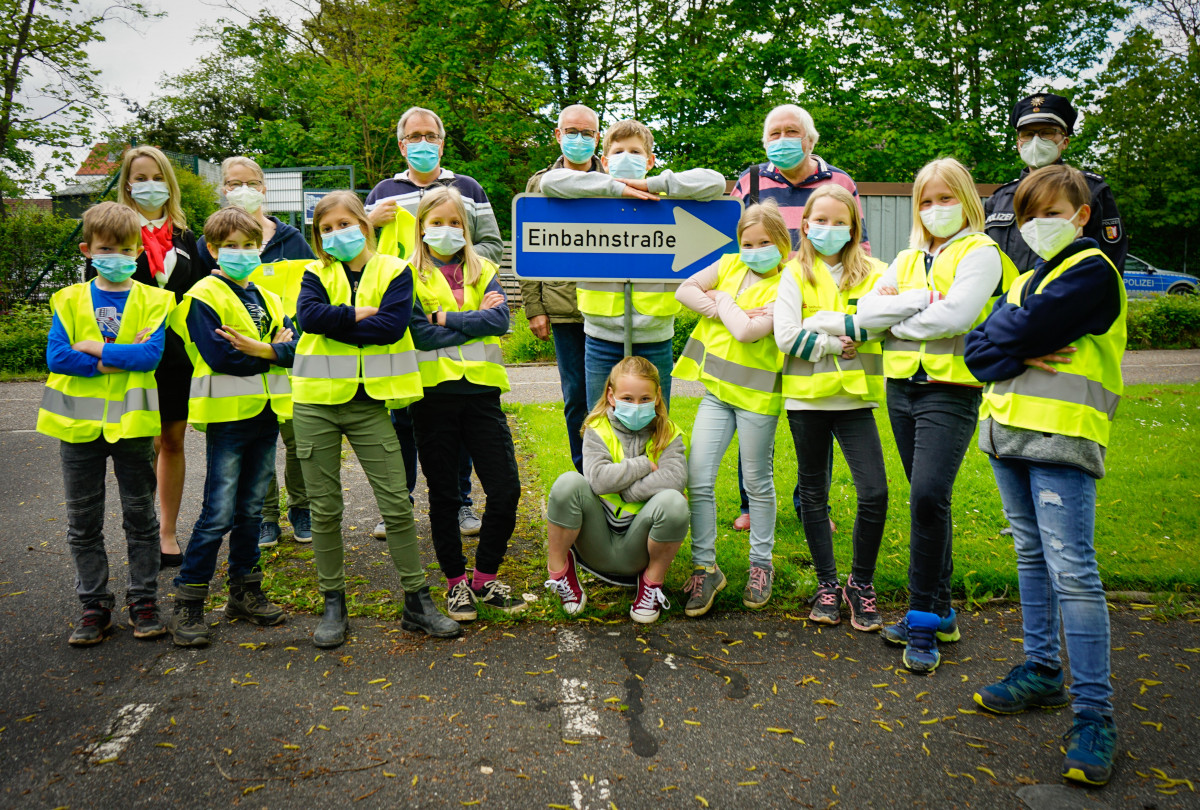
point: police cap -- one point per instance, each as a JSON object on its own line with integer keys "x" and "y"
{"x": 1044, "y": 108}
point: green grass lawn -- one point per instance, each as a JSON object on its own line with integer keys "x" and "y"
{"x": 1147, "y": 522}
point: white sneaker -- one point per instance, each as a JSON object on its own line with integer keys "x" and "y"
{"x": 380, "y": 532}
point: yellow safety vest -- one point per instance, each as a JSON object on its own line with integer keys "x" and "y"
{"x": 398, "y": 237}
{"x": 942, "y": 359}
{"x": 480, "y": 359}
{"x": 1081, "y": 399}
{"x": 860, "y": 376}
{"x": 605, "y": 430}
{"x": 328, "y": 372}
{"x": 121, "y": 405}
{"x": 216, "y": 397}
{"x": 744, "y": 375}
{"x": 604, "y": 299}
{"x": 282, "y": 278}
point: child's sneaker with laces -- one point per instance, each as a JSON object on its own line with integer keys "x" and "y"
{"x": 827, "y": 604}
{"x": 645, "y": 609}
{"x": 92, "y": 627}
{"x": 921, "y": 654}
{"x": 947, "y": 631}
{"x": 1024, "y": 688}
{"x": 460, "y": 602}
{"x": 864, "y": 615}
{"x": 498, "y": 596}
{"x": 568, "y": 589}
{"x": 145, "y": 619}
{"x": 1091, "y": 747}
{"x": 758, "y": 586}
{"x": 702, "y": 589}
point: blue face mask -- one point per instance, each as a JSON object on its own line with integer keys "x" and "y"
{"x": 345, "y": 244}
{"x": 445, "y": 239}
{"x": 422, "y": 157}
{"x": 763, "y": 259}
{"x": 150, "y": 194}
{"x": 828, "y": 239}
{"x": 114, "y": 267}
{"x": 786, "y": 153}
{"x": 627, "y": 165}
{"x": 238, "y": 264}
{"x": 577, "y": 148}
{"x": 634, "y": 417}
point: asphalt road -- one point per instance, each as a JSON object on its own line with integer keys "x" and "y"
{"x": 728, "y": 711}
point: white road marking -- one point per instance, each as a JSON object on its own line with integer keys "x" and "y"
{"x": 669, "y": 660}
{"x": 129, "y": 720}
{"x": 599, "y": 798}
{"x": 579, "y": 718}
{"x": 569, "y": 641}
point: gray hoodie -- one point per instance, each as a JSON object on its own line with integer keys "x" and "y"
{"x": 632, "y": 479}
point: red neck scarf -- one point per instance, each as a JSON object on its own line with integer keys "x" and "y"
{"x": 157, "y": 242}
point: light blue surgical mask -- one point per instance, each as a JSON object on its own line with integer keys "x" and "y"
{"x": 114, "y": 267}
{"x": 577, "y": 148}
{"x": 445, "y": 239}
{"x": 763, "y": 259}
{"x": 627, "y": 166}
{"x": 634, "y": 417}
{"x": 787, "y": 153}
{"x": 150, "y": 194}
{"x": 345, "y": 244}
{"x": 828, "y": 239}
{"x": 236, "y": 263}
{"x": 423, "y": 157}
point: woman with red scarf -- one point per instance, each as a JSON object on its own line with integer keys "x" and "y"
{"x": 170, "y": 261}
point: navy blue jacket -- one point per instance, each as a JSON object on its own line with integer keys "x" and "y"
{"x": 287, "y": 243}
{"x": 203, "y": 323}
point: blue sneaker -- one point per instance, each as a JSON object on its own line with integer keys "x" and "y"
{"x": 1091, "y": 745}
{"x": 301, "y": 520}
{"x": 921, "y": 653}
{"x": 947, "y": 630}
{"x": 1024, "y": 688}
{"x": 268, "y": 535}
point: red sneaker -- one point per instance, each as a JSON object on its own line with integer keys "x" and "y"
{"x": 568, "y": 589}
{"x": 645, "y": 609}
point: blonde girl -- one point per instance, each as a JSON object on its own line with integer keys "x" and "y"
{"x": 356, "y": 358}
{"x": 731, "y": 351}
{"x": 832, "y": 382}
{"x": 170, "y": 261}
{"x": 929, "y": 298}
{"x": 626, "y": 514}
{"x": 459, "y": 314}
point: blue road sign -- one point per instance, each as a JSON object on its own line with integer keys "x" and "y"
{"x": 620, "y": 239}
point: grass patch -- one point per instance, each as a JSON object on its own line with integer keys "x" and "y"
{"x": 1147, "y": 509}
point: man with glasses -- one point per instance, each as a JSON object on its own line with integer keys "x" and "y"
{"x": 1045, "y": 123}
{"x": 551, "y": 305}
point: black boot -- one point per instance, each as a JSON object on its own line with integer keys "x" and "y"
{"x": 421, "y": 615}
{"x": 247, "y": 601}
{"x": 335, "y": 624}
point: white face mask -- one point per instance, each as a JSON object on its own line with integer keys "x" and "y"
{"x": 943, "y": 220}
{"x": 1047, "y": 236}
{"x": 246, "y": 198}
{"x": 1038, "y": 152}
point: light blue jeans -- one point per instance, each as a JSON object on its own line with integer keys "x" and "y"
{"x": 1052, "y": 510}
{"x": 712, "y": 432}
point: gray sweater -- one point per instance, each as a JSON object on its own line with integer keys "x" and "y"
{"x": 632, "y": 479}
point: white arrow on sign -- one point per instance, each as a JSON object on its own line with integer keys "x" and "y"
{"x": 689, "y": 239}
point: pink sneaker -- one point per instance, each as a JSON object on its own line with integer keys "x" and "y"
{"x": 742, "y": 524}
{"x": 568, "y": 589}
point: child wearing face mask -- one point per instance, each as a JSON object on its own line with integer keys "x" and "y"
{"x": 731, "y": 351}
{"x": 626, "y": 514}
{"x": 459, "y": 314}
{"x": 628, "y": 148}
{"x": 1052, "y": 370}
{"x": 832, "y": 382}
{"x": 355, "y": 360}
{"x": 240, "y": 343}
{"x": 929, "y": 298}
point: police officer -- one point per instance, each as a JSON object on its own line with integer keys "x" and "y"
{"x": 1045, "y": 123}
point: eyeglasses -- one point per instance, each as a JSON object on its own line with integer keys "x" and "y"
{"x": 417, "y": 137}
{"x": 236, "y": 184}
{"x": 587, "y": 133}
{"x": 1048, "y": 134}
{"x": 790, "y": 132}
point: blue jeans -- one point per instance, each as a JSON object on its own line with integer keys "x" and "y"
{"x": 745, "y": 499}
{"x": 1052, "y": 511}
{"x": 599, "y": 357}
{"x": 568, "y": 349}
{"x": 240, "y": 462}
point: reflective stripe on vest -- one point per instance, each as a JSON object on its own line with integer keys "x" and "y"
{"x": 479, "y": 360}
{"x": 117, "y": 405}
{"x": 942, "y": 359}
{"x": 744, "y": 375}
{"x": 1081, "y": 399}
{"x": 329, "y": 372}
{"x": 604, "y": 429}
{"x": 607, "y": 299}
{"x": 862, "y": 375}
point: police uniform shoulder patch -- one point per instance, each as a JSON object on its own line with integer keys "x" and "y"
{"x": 1111, "y": 229}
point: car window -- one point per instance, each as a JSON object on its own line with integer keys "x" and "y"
{"x": 1134, "y": 265}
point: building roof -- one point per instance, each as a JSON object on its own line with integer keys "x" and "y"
{"x": 100, "y": 162}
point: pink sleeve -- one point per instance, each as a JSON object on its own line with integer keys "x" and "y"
{"x": 692, "y": 293}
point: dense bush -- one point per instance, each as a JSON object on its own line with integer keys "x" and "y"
{"x": 685, "y": 322}
{"x": 23, "y": 332}
{"x": 1164, "y": 322}
{"x": 29, "y": 239}
{"x": 521, "y": 346}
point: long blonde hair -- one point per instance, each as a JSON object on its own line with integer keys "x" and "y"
{"x": 768, "y": 216}
{"x": 350, "y": 201}
{"x": 472, "y": 263}
{"x": 855, "y": 264}
{"x": 173, "y": 209}
{"x": 956, "y": 176}
{"x": 635, "y": 367}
